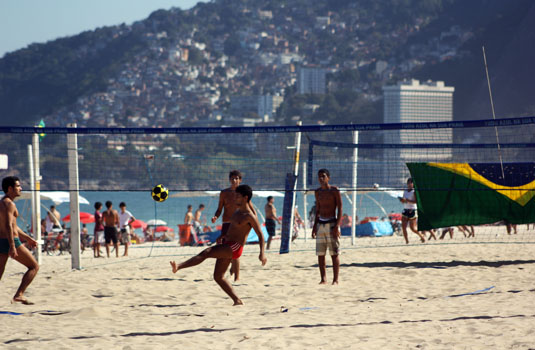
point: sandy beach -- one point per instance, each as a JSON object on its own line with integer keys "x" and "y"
{"x": 432, "y": 296}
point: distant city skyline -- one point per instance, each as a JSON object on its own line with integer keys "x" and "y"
{"x": 24, "y": 22}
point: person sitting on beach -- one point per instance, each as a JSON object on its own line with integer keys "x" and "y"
{"x": 84, "y": 238}
{"x": 241, "y": 222}
{"x": 298, "y": 224}
{"x": 149, "y": 234}
{"x": 346, "y": 221}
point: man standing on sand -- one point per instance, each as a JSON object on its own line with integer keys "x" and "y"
{"x": 111, "y": 221}
{"x": 271, "y": 219}
{"x": 10, "y": 238}
{"x": 188, "y": 219}
{"x": 197, "y": 224}
{"x": 125, "y": 219}
{"x": 227, "y": 205}
{"x": 241, "y": 222}
{"x": 326, "y": 228}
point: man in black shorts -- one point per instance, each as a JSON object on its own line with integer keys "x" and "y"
{"x": 271, "y": 220}
{"x": 111, "y": 222}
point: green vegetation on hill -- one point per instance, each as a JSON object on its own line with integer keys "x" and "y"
{"x": 44, "y": 77}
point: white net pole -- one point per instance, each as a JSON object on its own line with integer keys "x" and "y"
{"x": 37, "y": 191}
{"x": 72, "y": 146}
{"x": 305, "y": 213}
{"x": 354, "y": 186}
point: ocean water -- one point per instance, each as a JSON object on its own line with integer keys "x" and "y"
{"x": 173, "y": 210}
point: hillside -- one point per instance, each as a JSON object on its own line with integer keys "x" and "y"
{"x": 137, "y": 73}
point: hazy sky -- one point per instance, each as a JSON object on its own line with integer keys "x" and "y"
{"x": 23, "y": 22}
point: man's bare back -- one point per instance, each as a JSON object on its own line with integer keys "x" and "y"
{"x": 198, "y": 214}
{"x": 110, "y": 218}
{"x": 188, "y": 218}
{"x": 7, "y": 205}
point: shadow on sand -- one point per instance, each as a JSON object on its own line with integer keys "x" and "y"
{"x": 438, "y": 264}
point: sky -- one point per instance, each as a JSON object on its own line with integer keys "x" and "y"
{"x": 23, "y": 22}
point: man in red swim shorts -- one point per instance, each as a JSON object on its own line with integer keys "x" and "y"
{"x": 231, "y": 248}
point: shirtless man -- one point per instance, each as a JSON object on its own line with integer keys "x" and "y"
{"x": 271, "y": 218}
{"x": 188, "y": 218}
{"x": 327, "y": 225}
{"x": 197, "y": 224}
{"x": 227, "y": 205}
{"x": 241, "y": 222}
{"x": 111, "y": 222}
{"x": 10, "y": 236}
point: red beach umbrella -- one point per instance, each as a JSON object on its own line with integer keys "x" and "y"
{"x": 163, "y": 229}
{"x": 85, "y": 218}
{"x": 138, "y": 224}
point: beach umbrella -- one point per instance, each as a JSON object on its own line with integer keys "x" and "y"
{"x": 163, "y": 229}
{"x": 57, "y": 197}
{"x": 85, "y": 218}
{"x": 156, "y": 222}
{"x": 138, "y": 224}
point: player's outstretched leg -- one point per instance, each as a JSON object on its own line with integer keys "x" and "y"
{"x": 218, "y": 251}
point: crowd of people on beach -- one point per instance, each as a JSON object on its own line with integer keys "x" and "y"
{"x": 239, "y": 217}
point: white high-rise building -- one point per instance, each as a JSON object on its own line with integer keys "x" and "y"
{"x": 311, "y": 80}
{"x": 264, "y": 106}
{"x": 409, "y": 102}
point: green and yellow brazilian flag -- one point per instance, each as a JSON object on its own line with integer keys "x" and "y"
{"x": 450, "y": 194}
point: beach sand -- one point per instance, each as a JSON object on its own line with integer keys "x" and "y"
{"x": 422, "y": 296}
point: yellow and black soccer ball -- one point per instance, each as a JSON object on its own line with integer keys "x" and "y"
{"x": 159, "y": 193}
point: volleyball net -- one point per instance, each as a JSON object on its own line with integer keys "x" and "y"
{"x": 374, "y": 161}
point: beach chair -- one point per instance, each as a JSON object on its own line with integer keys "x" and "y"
{"x": 198, "y": 240}
{"x": 188, "y": 236}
